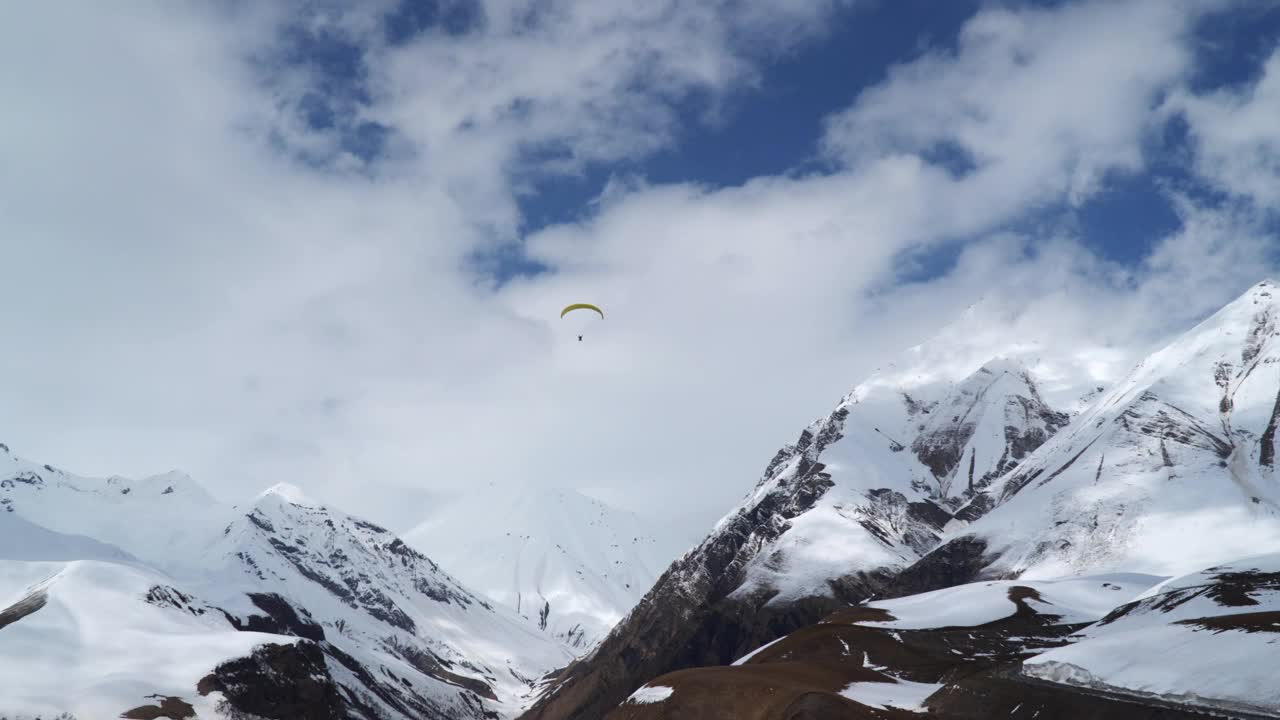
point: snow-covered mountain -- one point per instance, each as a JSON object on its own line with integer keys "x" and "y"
{"x": 925, "y": 477}
{"x": 384, "y": 603}
{"x": 286, "y": 608}
{"x": 97, "y": 639}
{"x": 1170, "y": 470}
{"x": 570, "y": 563}
{"x": 863, "y": 493}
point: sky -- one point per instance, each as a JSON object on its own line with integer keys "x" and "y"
{"x": 326, "y": 243}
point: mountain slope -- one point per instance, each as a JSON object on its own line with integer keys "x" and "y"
{"x": 1215, "y": 632}
{"x": 864, "y": 492}
{"x": 1104, "y": 646}
{"x": 1171, "y": 470}
{"x": 952, "y": 653}
{"x": 94, "y": 638}
{"x": 321, "y": 614}
{"x": 570, "y": 563}
{"x": 387, "y": 606}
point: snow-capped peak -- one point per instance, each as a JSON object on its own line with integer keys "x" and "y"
{"x": 1171, "y": 469}
{"x": 568, "y": 562}
{"x": 288, "y": 493}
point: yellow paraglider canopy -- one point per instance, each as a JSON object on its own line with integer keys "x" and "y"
{"x": 581, "y": 306}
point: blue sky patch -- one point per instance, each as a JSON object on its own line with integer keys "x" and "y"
{"x": 774, "y": 128}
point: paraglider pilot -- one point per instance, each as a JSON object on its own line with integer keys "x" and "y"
{"x": 581, "y": 306}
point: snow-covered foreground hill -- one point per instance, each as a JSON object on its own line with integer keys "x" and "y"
{"x": 570, "y": 563}
{"x": 117, "y": 595}
{"x": 1211, "y": 638}
{"x": 98, "y": 638}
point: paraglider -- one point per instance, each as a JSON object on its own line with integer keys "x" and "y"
{"x": 581, "y": 306}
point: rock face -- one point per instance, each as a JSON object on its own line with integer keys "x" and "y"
{"x": 400, "y": 636}
{"x": 862, "y": 494}
{"x": 278, "y": 681}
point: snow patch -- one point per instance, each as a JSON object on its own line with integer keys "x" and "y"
{"x": 650, "y": 694}
{"x": 743, "y": 660}
{"x": 1082, "y": 599}
{"x": 900, "y": 694}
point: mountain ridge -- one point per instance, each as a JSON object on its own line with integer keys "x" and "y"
{"x": 997, "y": 525}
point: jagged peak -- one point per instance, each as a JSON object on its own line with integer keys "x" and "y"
{"x": 1005, "y": 364}
{"x": 1264, "y": 295}
{"x": 1266, "y": 287}
{"x": 286, "y": 492}
{"x": 1239, "y": 335}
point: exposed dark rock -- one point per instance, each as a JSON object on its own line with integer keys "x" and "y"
{"x": 891, "y": 518}
{"x": 928, "y": 513}
{"x": 1263, "y": 325}
{"x": 23, "y": 608}
{"x": 1267, "y": 449}
{"x": 433, "y": 666}
{"x": 278, "y": 682}
{"x": 395, "y": 694}
{"x": 172, "y": 708}
{"x": 22, "y": 478}
{"x": 1024, "y": 477}
{"x": 1227, "y": 589}
{"x": 165, "y": 596}
{"x": 281, "y": 618}
{"x": 1267, "y": 621}
{"x": 980, "y": 504}
{"x": 257, "y": 518}
{"x": 940, "y": 450}
{"x": 916, "y": 407}
{"x": 958, "y": 561}
{"x": 372, "y": 527}
{"x": 1155, "y": 418}
{"x": 1030, "y": 422}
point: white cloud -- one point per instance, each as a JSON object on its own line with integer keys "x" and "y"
{"x": 1237, "y": 136}
{"x": 1044, "y": 101}
{"x": 179, "y": 295}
